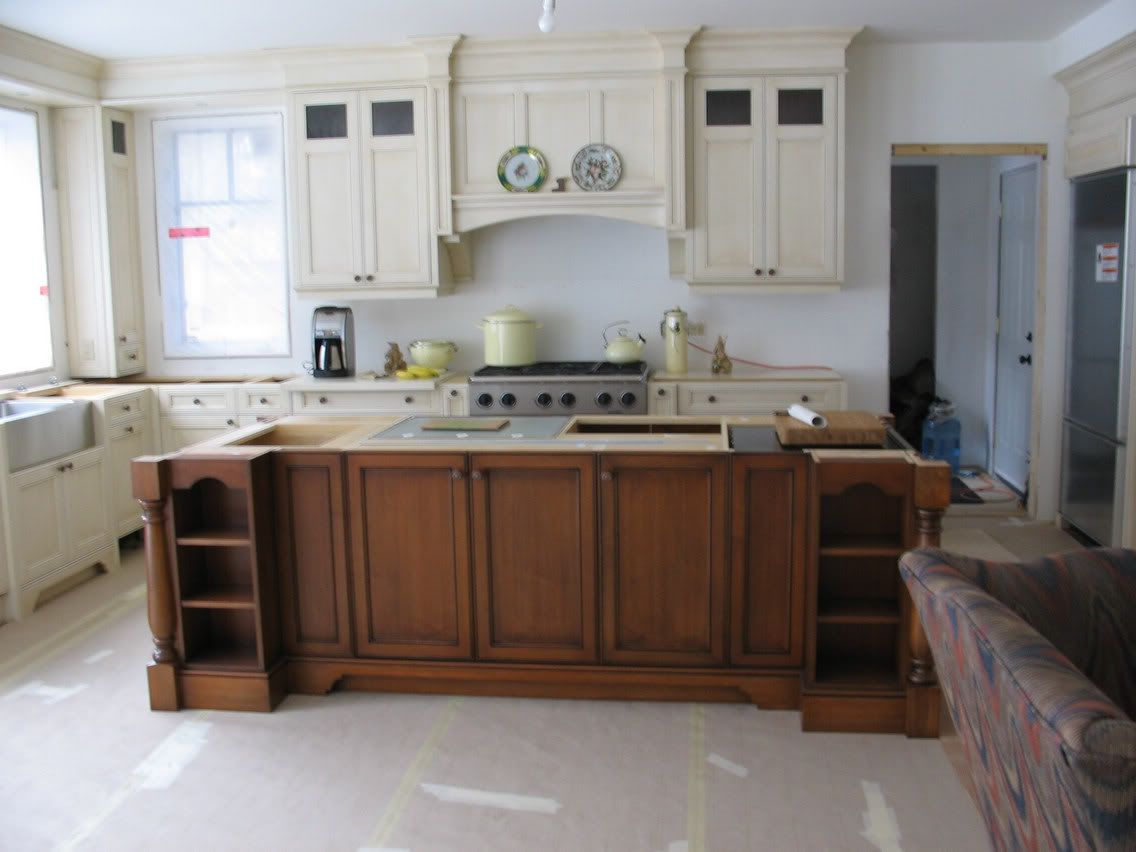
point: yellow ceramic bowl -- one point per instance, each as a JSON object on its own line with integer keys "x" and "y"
{"x": 433, "y": 353}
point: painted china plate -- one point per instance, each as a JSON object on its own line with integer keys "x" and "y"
{"x": 596, "y": 168}
{"x": 522, "y": 169}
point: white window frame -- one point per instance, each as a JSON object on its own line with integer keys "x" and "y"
{"x": 175, "y": 347}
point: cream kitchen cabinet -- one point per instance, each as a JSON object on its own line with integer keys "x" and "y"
{"x": 362, "y": 213}
{"x": 126, "y": 420}
{"x": 767, "y": 179}
{"x": 191, "y": 412}
{"x": 455, "y": 399}
{"x": 99, "y": 227}
{"x": 709, "y": 394}
{"x": 58, "y": 523}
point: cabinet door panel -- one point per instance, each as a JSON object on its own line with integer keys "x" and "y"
{"x": 39, "y": 524}
{"x": 485, "y": 128}
{"x": 768, "y": 560}
{"x": 410, "y": 555}
{"x": 125, "y": 442}
{"x": 731, "y": 216}
{"x": 801, "y": 183}
{"x": 84, "y": 490}
{"x": 311, "y": 554}
{"x": 663, "y": 551}
{"x": 397, "y": 193}
{"x": 534, "y": 536}
{"x": 329, "y": 239}
{"x": 629, "y": 128}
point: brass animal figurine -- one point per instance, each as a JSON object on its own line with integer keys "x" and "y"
{"x": 720, "y": 364}
{"x": 395, "y": 361}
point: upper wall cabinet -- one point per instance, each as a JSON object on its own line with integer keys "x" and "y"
{"x": 361, "y": 187}
{"x": 99, "y": 226}
{"x": 766, "y": 199}
{"x": 1102, "y": 110}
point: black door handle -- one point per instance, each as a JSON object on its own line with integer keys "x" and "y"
{"x": 1025, "y": 359}
{"x": 1029, "y": 336}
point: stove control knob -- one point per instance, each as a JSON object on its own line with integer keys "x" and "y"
{"x": 568, "y": 399}
{"x": 544, "y": 399}
{"x": 485, "y": 400}
{"x": 603, "y": 398}
{"x": 508, "y": 400}
{"x": 627, "y": 399}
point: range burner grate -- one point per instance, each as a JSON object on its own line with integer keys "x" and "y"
{"x": 564, "y": 368}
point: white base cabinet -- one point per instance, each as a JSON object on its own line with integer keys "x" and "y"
{"x": 708, "y": 394}
{"x": 57, "y": 524}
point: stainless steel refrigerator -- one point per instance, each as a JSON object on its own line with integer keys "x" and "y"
{"x": 1099, "y": 354}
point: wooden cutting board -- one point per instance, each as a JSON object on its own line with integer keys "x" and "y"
{"x": 845, "y": 429}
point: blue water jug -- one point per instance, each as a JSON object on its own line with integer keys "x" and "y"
{"x": 942, "y": 434}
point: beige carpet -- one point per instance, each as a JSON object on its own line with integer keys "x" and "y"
{"x": 85, "y": 765}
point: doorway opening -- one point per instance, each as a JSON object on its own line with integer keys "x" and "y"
{"x": 965, "y": 307}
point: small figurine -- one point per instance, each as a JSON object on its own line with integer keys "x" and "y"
{"x": 395, "y": 361}
{"x": 721, "y": 364}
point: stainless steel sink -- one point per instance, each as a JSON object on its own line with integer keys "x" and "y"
{"x": 38, "y": 430}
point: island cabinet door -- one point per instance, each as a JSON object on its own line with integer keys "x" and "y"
{"x": 311, "y": 554}
{"x": 663, "y": 528}
{"x": 534, "y": 556}
{"x": 410, "y": 554}
{"x": 768, "y": 559}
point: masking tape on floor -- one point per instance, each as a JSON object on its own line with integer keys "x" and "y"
{"x": 696, "y": 781}
{"x": 492, "y": 799}
{"x": 20, "y": 664}
{"x": 727, "y": 765}
{"x": 880, "y": 826}
{"x": 397, "y": 804}
{"x": 157, "y": 771}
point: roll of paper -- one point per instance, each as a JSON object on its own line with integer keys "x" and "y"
{"x": 807, "y": 415}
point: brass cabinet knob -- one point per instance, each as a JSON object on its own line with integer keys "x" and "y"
{"x": 129, "y": 430}
{"x": 133, "y": 356}
{"x": 196, "y": 401}
{"x": 711, "y": 398}
{"x": 230, "y": 423}
{"x": 453, "y": 392}
{"x": 772, "y": 272}
{"x": 758, "y": 271}
{"x": 263, "y": 400}
{"x": 358, "y": 278}
{"x": 408, "y": 400}
{"x": 370, "y": 277}
{"x": 804, "y": 397}
{"x": 126, "y": 408}
{"x": 662, "y": 391}
{"x": 323, "y": 400}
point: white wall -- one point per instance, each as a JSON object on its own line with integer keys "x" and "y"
{"x": 577, "y": 275}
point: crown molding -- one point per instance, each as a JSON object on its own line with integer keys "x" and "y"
{"x": 721, "y": 51}
{"x": 1103, "y": 79}
{"x": 47, "y": 67}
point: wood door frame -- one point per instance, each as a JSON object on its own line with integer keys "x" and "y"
{"x": 1040, "y": 150}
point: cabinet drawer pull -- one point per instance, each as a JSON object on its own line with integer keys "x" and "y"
{"x": 370, "y": 277}
{"x": 126, "y": 408}
{"x": 804, "y": 397}
{"x": 456, "y": 474}
{"x": 662, "y": 391}
{"x": 408, "y": 400}
{"x": 122, "y": 338}
{"x": 62, "y": 468}
{"x": 475, "y": 475}
{"x": 758, "y": 272}
{"x": 606, "y": 476}
{"x": 358, "y": 278}
{"x": 129, "y": 430}
{"x": 230, "y": 423}
{"x": 323, "y": 400}
{"x": 453, "y": 392}
{"x": 196, "y": 401}
{"x": 772, "y": 272}
{"x": 263, "y": 400}
{"x": 133, "y": 356}
{"x": 711, "y": 398}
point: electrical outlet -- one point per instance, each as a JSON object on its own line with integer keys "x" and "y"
{"x": 696, "y": 329}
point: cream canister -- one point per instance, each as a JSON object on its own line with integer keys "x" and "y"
{"x": 675, "y": 337}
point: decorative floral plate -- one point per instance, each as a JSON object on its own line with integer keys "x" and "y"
{"x": 596, "y": 167}
{"x": 522, "y": 169}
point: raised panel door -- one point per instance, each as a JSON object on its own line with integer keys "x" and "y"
{"x": 767, "y": 580}
{"x": 485, "y": 127}
{"x": 39, "y": 521}
{"x": 801, "y": 178}
{"x": 534, "y": 557}
{"x": 125, "y": 442}
{"x": 629, "y": 126}
{"x": 328, "y": 210}
{"x": 311, "y": 554}
{"x": 729, "y": 172}
{"x": 663, "y": 528}
{"x": 410, "y": 555}
{"x": 396, "y": 191}
{"x": 183, "y": 431}
{"x": 86, "y": 511}
{"x": 122, "y": 240}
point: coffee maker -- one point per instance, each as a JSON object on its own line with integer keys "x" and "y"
{"x": 333, "y": 344}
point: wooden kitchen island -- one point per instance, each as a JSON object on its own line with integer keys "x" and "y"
{"x": 632, "y": 558}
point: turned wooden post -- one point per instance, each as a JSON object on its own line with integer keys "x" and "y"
{"x": 151, "y": 479}
{"x": 932, "y": 496}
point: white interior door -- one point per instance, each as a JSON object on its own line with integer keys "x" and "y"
{"x": 1013, "y": 387}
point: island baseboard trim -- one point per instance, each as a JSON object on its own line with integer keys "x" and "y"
{"x": 770, "y": 690}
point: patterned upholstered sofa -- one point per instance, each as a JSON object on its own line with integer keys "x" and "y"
{"x": 1037, "y": 662}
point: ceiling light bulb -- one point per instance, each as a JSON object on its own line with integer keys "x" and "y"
{"x": 547, "y": 23}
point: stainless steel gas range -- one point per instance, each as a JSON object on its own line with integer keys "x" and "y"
{"x": 560, "y": 387}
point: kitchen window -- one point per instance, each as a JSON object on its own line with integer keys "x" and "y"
{"x": 222, "y": 249}
{"x": 25, "y": 316}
